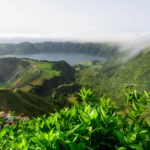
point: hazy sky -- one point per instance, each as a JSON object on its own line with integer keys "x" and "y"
{"x": 73, "y": 17}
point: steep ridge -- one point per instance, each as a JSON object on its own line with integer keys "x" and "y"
{"x": 27, "y": 80}
{"x": 9, "y": 67}
{"x": 27, "y": 74}
{"x": 67, "y": 75}
{"x": 110, "y": 78}
{"x": 107, "y": 50}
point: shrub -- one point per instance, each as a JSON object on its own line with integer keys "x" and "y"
{"x": 90, "y": 126}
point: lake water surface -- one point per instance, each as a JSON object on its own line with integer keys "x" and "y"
{"x": 71, "y": 58}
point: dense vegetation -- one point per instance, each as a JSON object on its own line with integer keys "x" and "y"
{"x": 86, "y": 125}
{"x": 21, "y": 102}
{"x": 75, "y": 120}
{"x": 109, "y": 78}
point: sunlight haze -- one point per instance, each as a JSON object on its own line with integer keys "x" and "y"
{"x": 74, "y": 19}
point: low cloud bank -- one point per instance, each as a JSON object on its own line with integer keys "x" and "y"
{"x": 131, "y": 43}
{"x": 136, "y": 44}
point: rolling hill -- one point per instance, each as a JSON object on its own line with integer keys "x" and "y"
{"x": 58, "y": 79}
{"x": 21, "y": 102}
{"x": 26, "y": 85}
{"x": 109, "y": 78}
{"x": 30, "y": 75}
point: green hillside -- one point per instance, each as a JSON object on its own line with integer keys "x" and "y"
{"x": 109, "y": 78}
{"x": 61, "y": 81}
{"x": 20, "y": 102}
{"x": 63, "y": 118}
{"x": 27, "y": 85}
{"x": 43, "y": 77}
{"x": 106, "y": 50}
{"x": 27, "y": 74}
{"x": 33, "y": 75}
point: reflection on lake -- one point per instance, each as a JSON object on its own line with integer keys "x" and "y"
{"x": 71, "y": 58}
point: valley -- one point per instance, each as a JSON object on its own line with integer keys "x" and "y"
{"x": 74, "y": 75}
{"x": 58, "y": 56}
{"x": 56, "y": 51}
{"x": 26, "y": 79}
{"x": 48, "y": 78}
{"x": 55, "y": 99}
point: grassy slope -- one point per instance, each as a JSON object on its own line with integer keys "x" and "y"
{"x": 21, "y": 102}
{"x": 110, "y": 78}
{"x": 26, "y": 75}
{"x": 33, "y": 75}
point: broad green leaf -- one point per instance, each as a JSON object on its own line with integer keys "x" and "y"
{"x": 120, "y": 136}
{"x": 121, "y": 148}
{"x": 131, "y": 137}
{"x": 81, "y": 146}
{"x": 136, "y": 147}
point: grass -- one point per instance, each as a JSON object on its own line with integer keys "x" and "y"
{"x": 109, "y": 78}
{"x": 26, "y": 103}
{"x": 33, "y": 75}
{"x": 46, "y": 71}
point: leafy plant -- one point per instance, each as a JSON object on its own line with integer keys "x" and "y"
{"x": 90, "y": 126}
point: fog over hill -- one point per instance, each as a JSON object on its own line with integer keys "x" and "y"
{"x": 92, "y": 36}
{"x": 135, "y": 45}
{"x": 130, "y": 42}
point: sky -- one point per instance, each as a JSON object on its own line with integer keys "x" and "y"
{"x": 76, "y": 19}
